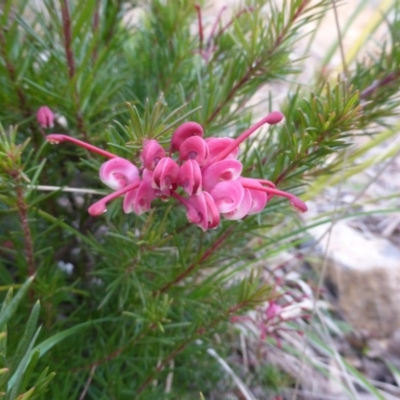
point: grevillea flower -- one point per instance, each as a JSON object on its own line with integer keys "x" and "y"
{"x": 205, "y": 177}
{"x": 45, "y": 117}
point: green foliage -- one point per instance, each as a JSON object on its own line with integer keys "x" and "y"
{"x": 18, "y": 368}
{"x": 128, "y": 302}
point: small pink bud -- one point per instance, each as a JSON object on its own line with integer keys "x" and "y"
{"x": 139, "y": 200}
{"x": 194, "y": 148}
{"x": 272, "y": 310}
{"x": 259, "y": 198}
{"x": 183, "y": 132}
{"x": 201, "y": 210}
{"x": 45, "y": 117}
{"x": 165, "y": 177}
{"x": 151, "y": 154}
{"x": 190, "y": 177}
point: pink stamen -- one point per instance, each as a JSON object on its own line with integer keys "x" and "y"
{"x": 271, "y": 119}
{"x": 294, "y": 201}
{"x": 56, "y": 138}
{"x": 100, "y": 206}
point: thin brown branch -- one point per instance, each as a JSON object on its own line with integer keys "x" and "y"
{"x": 203, "y": 258}
{"x": 23, "y": 216}
{"x": 96, "y": 20}
{"x": 200, "y": 25}
{"x": 340, "y": 38}
{"x": 88, "y": 382}
{"x": 255, "y": 66}
{"x": 66, "y": 20}
{"x": 26, "y": 111}
{"x": 67, "y": 29}
{"x": 385, "y": 81}
{"x": 225, "y": 28}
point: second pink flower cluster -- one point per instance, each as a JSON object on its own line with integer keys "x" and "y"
{"x": 205, "y": 176}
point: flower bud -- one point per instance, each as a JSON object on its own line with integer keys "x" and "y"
{"x": 45, "y": 117}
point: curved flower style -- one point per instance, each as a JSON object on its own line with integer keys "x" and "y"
{"x": 206, "y": 170}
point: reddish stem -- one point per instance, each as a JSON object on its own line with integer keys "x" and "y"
{"x": 214, "y": 28}
{"x": 66, "y": 19}
{"x": 200, "y": 23}
{"x": 239, "y": 14}
{"x": 387, "y": 80}
{"x": 203, "y": 258}
{"x": 23, "y": 215}
{"x": 248, "y": 75}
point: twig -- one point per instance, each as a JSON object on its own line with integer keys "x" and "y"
{"x": 387, "y": 80}
{"x": 247, "y": 76}
{"x": 26, "y": 111}
{"x": 340, "y": 38}
{"x": 204, "y": 257}
{"x": 47, "y": 188}
{"x": 23, "y": 216}
{"x": 88, "y": 382}
{"x": 66, "y": 21}
{"x": 200, "y": 23}
{"x": 244, "y": 390}
{"x": 96, "y": 19}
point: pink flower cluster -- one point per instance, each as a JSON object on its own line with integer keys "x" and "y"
{"x": 205, "y": 176}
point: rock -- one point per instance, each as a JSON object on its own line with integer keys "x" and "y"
{"x": 365, "y": 269}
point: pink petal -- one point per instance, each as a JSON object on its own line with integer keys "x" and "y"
{"x": 190, "y": 177}
{"x": 118, "y": 172}
{"x": 194, "y": 148}
{"x": 227, "y": 195}
{"x": 139, "y": 200}
{"x": 183, "y": 132}
{"x": 259, "y": 198}
{"x": 243, "y": 208}
{"x": 213, "y": 217}
{"x": 197, "y": 211}
{"x": 216, "y": 145}
{"x": 201, "y": 210}
{"x": 272, "y": 310}
{"x": 151, "y": 154}
{"x": 221, "y": 171}
{"x": 165, "y": 177}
